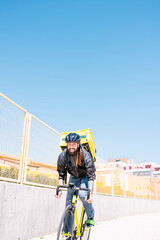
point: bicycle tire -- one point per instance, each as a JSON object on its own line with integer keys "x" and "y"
{"x": 85, "y": 231}
{"x": 65, "y": 226}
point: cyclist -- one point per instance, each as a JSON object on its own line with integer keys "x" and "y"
{"x": 77, "y": 161}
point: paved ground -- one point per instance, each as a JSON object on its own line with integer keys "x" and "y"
{"x": 138, "y": 227}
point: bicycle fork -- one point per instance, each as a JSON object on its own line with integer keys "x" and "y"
{"x": 78, "y": 224}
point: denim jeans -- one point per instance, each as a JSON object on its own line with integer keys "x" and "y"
{"x": 83, "y": 183}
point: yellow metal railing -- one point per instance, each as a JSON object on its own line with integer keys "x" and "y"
{"x": 29, "y": 149}
{"x": 117, "y": 182}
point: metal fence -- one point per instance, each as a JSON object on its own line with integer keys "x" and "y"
{"x": 117, "y": 182}
{"x": 29, "y": 149}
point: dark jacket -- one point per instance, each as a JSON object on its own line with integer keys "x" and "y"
{"x": 65, "y": 164}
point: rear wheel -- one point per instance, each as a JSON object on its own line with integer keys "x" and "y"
{"x": 85, "y": 230}
{"x": 66, "y": 225}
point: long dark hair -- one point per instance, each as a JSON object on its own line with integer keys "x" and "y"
{"x": 79, "y": 157}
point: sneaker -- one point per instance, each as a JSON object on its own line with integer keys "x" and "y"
{"x": 90, "y": 222}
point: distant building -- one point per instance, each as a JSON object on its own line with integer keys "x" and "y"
{"x": 138, "y": 169}
{"x": 125, "y": 160}
{"x": 129, "y": 166}
{"x": 7, "y": 160}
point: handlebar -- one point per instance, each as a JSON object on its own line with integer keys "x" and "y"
{"x": 71, "y": 186}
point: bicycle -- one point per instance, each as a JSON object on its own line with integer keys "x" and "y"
{"x": 70, "y": 227}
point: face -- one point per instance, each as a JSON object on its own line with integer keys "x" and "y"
{"x": 72, "y": 147}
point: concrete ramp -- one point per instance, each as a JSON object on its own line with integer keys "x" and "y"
{"x": 137, "y": 227}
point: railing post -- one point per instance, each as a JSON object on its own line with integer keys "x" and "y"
{"x": 112, "y": 182}
{"x": 156, "y": 190}
{"x": 95, "y": 185}
{"x": 22, "y": 154}
{"x": 149, "y": 188}
{"x": 134, "y": 185}
{"x": 26, "y": 148}
{"x": 142, "y": 188}
{"x": 124, "y": 183}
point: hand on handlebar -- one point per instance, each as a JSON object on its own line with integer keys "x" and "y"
{"x": 90, "y": 200}
{"x": 59, "y": 194}
{"x": 59, "y": 191}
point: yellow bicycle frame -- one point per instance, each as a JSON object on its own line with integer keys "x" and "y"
{"x": 78, "y": 224}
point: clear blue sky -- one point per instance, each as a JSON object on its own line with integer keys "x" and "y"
{"x": 79, "y": 64}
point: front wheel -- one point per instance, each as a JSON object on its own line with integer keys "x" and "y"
{"x": 85, "y": 231}
{"x": 66, "y": 225}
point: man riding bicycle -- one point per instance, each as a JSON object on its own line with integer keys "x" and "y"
{"x": 78, "y": 162}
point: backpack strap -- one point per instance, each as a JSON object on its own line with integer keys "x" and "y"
{"x": 66, "y": 166}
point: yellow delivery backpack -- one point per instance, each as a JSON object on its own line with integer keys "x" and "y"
{"x": 87, "y": 141}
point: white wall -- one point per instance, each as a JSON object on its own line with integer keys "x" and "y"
{"x": 27, "y": 211}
